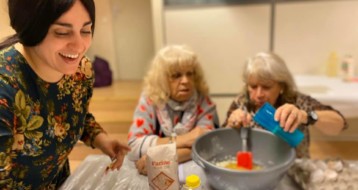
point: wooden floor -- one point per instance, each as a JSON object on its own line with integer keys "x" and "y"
{"x": 113, "y": 108}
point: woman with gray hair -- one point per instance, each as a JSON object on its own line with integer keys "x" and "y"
{"x": 175, "y": 100}
{"x": 267, "y": 79}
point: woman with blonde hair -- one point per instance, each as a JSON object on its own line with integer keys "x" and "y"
{"x": 175, "y": 100}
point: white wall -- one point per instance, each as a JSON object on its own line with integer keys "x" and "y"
{"x": 158, "y": 27}
{"x": 102, "y": 44}
{"x": 124, "y": 36}
{"x": 307, "y": 32}
{"x": 5, "y": 29}
{"x": 132, "y": 23}
{"x": 222, "y": 36}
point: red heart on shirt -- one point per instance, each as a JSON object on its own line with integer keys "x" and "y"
{"x": 200, "y": 110}
{"x": 142, "y": 108}
{"x": 149, "y": 101}
{"x": 145, "y": 131}
{"x": 209, "y": 116}
{"x": 151, "y": 127}
{"x": 20, "y": 142}
{"x": 130, "y": 135}
{"x": 140, "y": 122}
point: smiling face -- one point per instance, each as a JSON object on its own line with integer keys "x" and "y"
{"x": 65, "y": 44}
{"x": 261, "y": 91}
{"x": 181, "y": 84}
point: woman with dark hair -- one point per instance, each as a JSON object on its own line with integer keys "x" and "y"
{"x": 267, "y": 79}
{"x": 46, "y": 84}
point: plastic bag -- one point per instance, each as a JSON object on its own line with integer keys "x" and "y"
{"x": 90, "y": 174}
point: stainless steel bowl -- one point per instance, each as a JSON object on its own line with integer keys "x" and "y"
{"x": 268, "y": 150}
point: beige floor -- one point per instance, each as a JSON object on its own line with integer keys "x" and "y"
{"x": 113, "y": 108}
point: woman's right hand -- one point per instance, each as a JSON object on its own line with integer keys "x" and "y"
{"x": 239, "y": 118}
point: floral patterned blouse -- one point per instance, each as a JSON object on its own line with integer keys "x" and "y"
{"x": 41, "y": 122}
{"x": 303, "y": 102}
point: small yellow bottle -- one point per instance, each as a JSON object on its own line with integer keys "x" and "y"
{"x": 332, "y": 65}
{"x": 347, "y": 68}
{"x": 192, "y": 182}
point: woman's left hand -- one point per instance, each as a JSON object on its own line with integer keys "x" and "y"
{"x": 141, "y": 165}
{"x": 113, "y": 148}
{"x": 290, "y": 117}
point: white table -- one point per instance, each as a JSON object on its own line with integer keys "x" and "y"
{"x": 90, "y": 175}
{"x": 333, "y": 91}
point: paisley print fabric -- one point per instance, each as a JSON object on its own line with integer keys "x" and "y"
{"x": 41, "y": 122}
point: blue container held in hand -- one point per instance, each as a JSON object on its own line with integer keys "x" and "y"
{"x": 265, "y": 118}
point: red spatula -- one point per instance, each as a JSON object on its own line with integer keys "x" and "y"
{"x": 244, "y": 157}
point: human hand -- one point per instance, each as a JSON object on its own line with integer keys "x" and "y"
{"x": 141, "y": 165}
{"x": 239, "y": 118}
{"x": 290, "y": 117}
{"x": 113, "y": 148}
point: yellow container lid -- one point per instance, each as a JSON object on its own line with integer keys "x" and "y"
{"x": 192, "y": 181}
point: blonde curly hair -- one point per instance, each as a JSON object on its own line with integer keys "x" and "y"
{"x": 166, "y": 62}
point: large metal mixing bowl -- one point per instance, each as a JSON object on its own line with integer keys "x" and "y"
{"x": 268, "y": 150}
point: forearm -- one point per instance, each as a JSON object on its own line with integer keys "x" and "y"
{"x": 92, "y": 129}
{"x": 180, "y": 141}
{"x": 329, "y": 122}
{"x": 184, "y": 154}
{"x": 98, "y": 139}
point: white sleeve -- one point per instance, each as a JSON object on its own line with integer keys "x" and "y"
{"x": 139, "y": 146}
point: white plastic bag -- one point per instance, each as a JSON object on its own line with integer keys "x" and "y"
{"x": 90, "y": 174}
